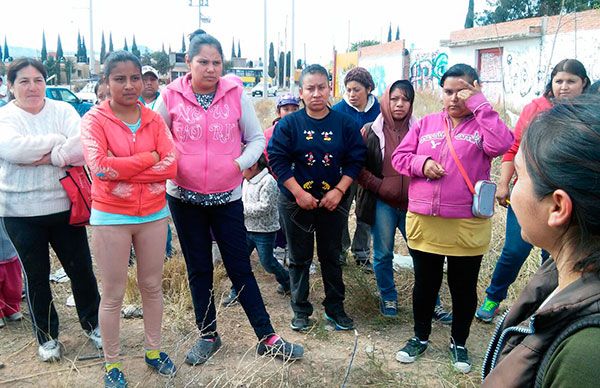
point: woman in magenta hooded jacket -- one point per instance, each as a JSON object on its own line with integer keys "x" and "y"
{"x": 440, "y": 223}
{"x": 210, "y": 117}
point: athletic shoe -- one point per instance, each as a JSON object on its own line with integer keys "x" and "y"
{"x": 50, "y": 351}
{"x": 340, "y": 320}
{"x": 388, "y": 308}
{"x": 2, "y": 322}
{"x": 442, "y": 316}
{"x": 301, "y": 322}
{"x": 95, "y": 337}
{"x": 115, "y": 379}
{"x": 202, "y": 350}
{"x": 411, "y": 351}
{"x": 282, "y": 290}
{"x": 15, "y": 317}
{"x": 487, "y": 310}
{"x": 59, "y": 276}
{"x": 460, "y": 358}
{"x": 230, "y": 299}
{"x": 163, "y": 364}
{"x": 282, "y": 349}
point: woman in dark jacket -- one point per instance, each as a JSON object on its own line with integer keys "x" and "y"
{"x": 551, "y": 335}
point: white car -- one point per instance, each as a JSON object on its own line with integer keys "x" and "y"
{"x": 257, "y": 90}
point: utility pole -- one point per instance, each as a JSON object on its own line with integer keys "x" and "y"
{"x": 292, "y": 65}
{"x": 285, "y": 50}
{"x": 92, "y": 58}
{"x": 265, "y": 51}
{"x": 201, "y": 3}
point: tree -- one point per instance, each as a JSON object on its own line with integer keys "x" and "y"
{"x": 111, "y": 48}
{"x": 239, "y": 54}
{"x": 232, "y": 48}
{"x": 125, "y": 47}
{"x": 59, "y": 49}
{"x": 78, "y": 53}
{"x": 271, "y": 64}
{"x": 44, "y": 53}
{"x": 163, "y": 48}
{"x": 134, "y": 48}
{"x": 7, "y": 53}
{"x": 1, "y": 55}
{"x": 102, "y": 49}
{"x": 280, "y": 68}
{"x": 51, "y": 66}
{"x": 390, "y": 33}
{"x": 363, "y": 43}
{"x": 469, "y": 20}
{"x": 507, "y": 10}
{"x": 299, "y": 64}
{"x": 84, "y": 57}
{"x": 146, "y": 59}
{"x": 160, "y": 61}
{"x": 183, "y": 49}
{"x": 288, "y": 67}
{"x": 397, "y": 32}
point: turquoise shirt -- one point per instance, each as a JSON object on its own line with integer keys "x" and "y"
{"x": 98, "y": 217}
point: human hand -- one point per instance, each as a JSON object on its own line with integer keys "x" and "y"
{"x": 331, "y": 199}
{"x": 502, "y": 194}
{"x": 306, "y": 201}
{"x": 156, "y": 156}
{"x": 237, "y": 165}
{"x": 433, "y": 170}
{"x": 43, "y": 160}
{"x": 110, "y": 154}
{"x": 468, "y": 89}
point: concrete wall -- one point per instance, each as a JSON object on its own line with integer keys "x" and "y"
{"x": 427, "y": 67}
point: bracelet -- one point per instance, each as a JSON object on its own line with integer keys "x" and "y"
{"x": 340, "y": 190}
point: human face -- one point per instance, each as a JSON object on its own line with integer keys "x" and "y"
{"x": 150, "y": 86}
{"x": 285, "y": 110}
{"x": 567, "y": 85}
{"x": 357, "y": 94}
{"x": 125, "y": 83}
{"x": 206, "y": 68}
{"x": 452, "y": 104}
{"x": 315, "y": 93}
{"x": 29, "y": 89}
{"x": 399, "y": 104}
{"x": 103, "y": 93}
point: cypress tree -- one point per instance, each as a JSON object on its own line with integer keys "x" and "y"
{"x": 79, "y": 54}
{"x": 111, "y": 48}
{"x": 390, "y": 33}
{"x": 183, "y": 49}
{"x": 232, "y": 48}
{"x": 239, "y": 54}
{"x": 44, "y": 53}
{"x": 125, "y": 47}
{"x": 397, "y": 32}
{"x": 59, "y": 49}
{"x": 134, "y": 48}
{"x": 102, "y": 49}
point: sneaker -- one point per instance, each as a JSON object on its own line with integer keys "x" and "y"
{"x": 163, "y": 364}
{"x": 282, "y": 290}
{"x": 460, "y": 358}
{"x": 282, "y": 349}
{"x": 115, "y": 379}
{"x": 59, "y": 276}
{"x": 50, "y": 351}
{"x": 343, "y": 260}
{"x": 95, "y": 337}
{"x": 442, "y": 316}
{"x": 365, "y": 265}
{"x": 301, "y": 322}
{"x": 70, "y": 301}
{"x": 487, "y": 310}
{"x": 388, "y": 308}
{"x": 312, "y": 269}
{"x": 413, "y": 349}
{"x": 230, "y": 299}
{"x": 341, "y": 321}
{"x": 18, "y": 316}
{"x": 2, "y": 322}
{"x": 202, "y": 350}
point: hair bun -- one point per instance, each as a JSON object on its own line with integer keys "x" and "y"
{"x": 196, "y": 33}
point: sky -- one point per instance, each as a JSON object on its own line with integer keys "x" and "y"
{"x": 320, "y": 25}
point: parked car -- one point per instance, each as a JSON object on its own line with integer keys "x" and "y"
{"x": 257, "y": 90}
{"x": 64, "y": 94}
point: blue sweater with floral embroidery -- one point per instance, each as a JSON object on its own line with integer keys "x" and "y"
{"x": 317, "y": 152}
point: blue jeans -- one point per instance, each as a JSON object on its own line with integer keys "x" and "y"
{"x": 194, "y": 225}
{"x": 169, "y": 247}
{"x": 514, "y": 253}
{"x": 264, "y": 244}
{"x": 387, "y": 219}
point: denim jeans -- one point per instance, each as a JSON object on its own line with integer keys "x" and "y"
{"x": 169, "y": 247}
{"x": 264, "y": 244}
{"x": 387, "y": 219}
{"x": 32, "y": 237}
{"x": 514, "y": 253}
{"x": 301, "y": 228}
{"x": 194, "y": 224}
{"x": 360, "y": 246}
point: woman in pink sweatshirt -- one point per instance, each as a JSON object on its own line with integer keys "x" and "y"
{"x": 439, "y": 222}
{"x": 130, "y": 153}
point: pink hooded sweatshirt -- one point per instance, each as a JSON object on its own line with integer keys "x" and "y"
{"x": 207, "y": 141}
{"x": 477, "y": 140}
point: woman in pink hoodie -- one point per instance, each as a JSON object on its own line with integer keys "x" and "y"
{"x": 130, "y": 153}
{"x": 440, "y": 223}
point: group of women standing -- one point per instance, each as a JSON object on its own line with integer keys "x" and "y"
{"x": 189, "y": 155}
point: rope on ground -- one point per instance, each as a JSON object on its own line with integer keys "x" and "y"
{"x": 351, "y": 359}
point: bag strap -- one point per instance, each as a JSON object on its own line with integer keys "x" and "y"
{"x": 456, "y": 160}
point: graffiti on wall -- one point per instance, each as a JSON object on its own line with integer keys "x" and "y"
{"x": 520, "y": 77}
{"x": 426, "y": 69}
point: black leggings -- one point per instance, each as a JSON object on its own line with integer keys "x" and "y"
{"x": 462, "y": 281}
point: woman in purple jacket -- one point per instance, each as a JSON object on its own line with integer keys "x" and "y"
{"x": 439, "y": 222}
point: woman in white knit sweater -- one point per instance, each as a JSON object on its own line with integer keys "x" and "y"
{"x": 39, "y": 140}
